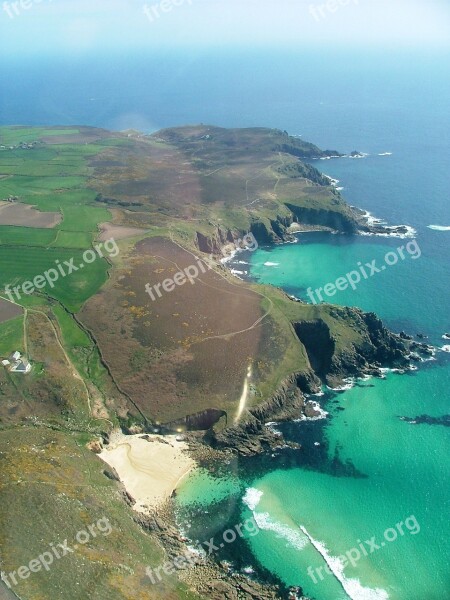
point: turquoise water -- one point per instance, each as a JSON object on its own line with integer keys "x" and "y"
{"x": 406, "y": 465}
{"x": 402, "y": 469}
{"x": 402, "y": 294}
{"x": 407, "y": 475}
{"x": 371, "y": 470}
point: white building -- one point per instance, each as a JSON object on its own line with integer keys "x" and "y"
{"x": 22, "y": 366}
{"x": 17, "y": 363}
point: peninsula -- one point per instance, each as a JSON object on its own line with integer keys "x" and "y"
{"x": 211, "y": 360}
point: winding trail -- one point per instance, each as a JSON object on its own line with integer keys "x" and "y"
{"x": 74, "y": 371}
{"x": 232, "y": 333}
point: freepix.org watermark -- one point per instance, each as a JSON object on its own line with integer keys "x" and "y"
{"x": 190, "y": 274}
{"x": 354, "y": 555}
{"x": 196, "y": 556}
{"x": 57, "y": 551}
{"x": 156, "y": 11}
{"x": 51, "y": 276}
{"x": 15, "y": 9}
{"x": 354, "y": 278}
{"x": 320, "y": 11}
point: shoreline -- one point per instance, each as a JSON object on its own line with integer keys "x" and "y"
{"x": 149, "y": 467}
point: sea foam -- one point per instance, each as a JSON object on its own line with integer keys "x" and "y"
{"x": 294, "y": 538}
{"x": 439, "y": 227}
{"x": 264, "y": 521}
{"x": 352, "y": 587}
{"x": 252, "y": 498}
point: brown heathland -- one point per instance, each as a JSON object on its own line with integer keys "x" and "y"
{"x": 187, "y": 351}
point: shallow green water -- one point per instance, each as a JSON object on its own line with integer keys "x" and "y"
{"x": 402, "y": 469}
{"x": 406, "y": 465}
{"x": 396, "y": 469}
{"x": 407, "y": 475}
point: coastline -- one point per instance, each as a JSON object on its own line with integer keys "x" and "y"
{"x": 369, "y": 226}
{"x": 159, "y": 501}
{"x": 149, "y": 467}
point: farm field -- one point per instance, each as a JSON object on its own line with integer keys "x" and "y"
{"x": 29, "y": 262}
{"x": 53, "y": 217}
{"x": 11, "y": 332}
{"x": 104, "y": 355}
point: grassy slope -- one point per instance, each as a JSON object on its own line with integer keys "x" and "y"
{"x": 51, "y": 485}
{"x": 54, "y": 487}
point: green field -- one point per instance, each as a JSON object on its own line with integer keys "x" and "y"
{"x": 24, "y": 264}
{"x": 52, "y": 178}
{"x": 26, "y": 236}
{"x": 11, "y": 336}
{"x": 10, "y": 136}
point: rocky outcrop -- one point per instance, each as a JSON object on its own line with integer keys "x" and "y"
{"x": 304, "y": 170}
{"x": 264, "y": 233}
{"x": 428, "y": 420}
{"x": 268, "y": 232}
{"x": 209, "y": 578}
{"x": 331, "y": 363}
{"x": 308, "y": 382}
{"x": 248, "y": 438}
{"x": 319, "y": 344}
{"x": 201, "y": 421}
{"x": 213, "y": 244}
{"x": 251, "y": 436}
{"x": 338, "y": 221}
{"x": 387, "y": 348}
{"x": 377, "y": 348}
{"x": 302, "y": 149}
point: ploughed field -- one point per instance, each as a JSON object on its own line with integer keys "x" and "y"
{"x": 103, "y": 353}
{"x": 168, "y": 199}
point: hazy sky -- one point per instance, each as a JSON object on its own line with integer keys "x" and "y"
{"x": 82, "y": 26}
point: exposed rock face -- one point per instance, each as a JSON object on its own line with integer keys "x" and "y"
{"x": 95, "y": 446}
{"x": 308, "y": 151}
{"x": 320, "y": 346}
{"x": 387, "y": 348}
{"x": 335, "y": 220}
{"x": 287, "y": 404}
{"x": 308, "y": 382}
{"x": 304, "y": 170}
{"x": 251, "y": 436}
{"x": 264, "y": 233}
{"x": 201, "y": 421}
{"x": 275, "y": 231}
{"x": 377, "y": 347}
{"x": 213, "y": 244}
{"x": 209, "y": 579}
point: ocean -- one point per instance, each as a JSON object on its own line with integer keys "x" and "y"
{"x": 364, "y": 474}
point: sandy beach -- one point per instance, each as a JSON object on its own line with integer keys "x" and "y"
{"x": 149, "y": 466}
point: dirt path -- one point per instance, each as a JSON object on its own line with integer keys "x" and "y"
{"x": 75, "y": 373}
{"x": 233, "y": 333}
{"x": 25, "y": 337}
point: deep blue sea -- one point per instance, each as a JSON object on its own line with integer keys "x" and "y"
{"x": 363, "y": 470}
